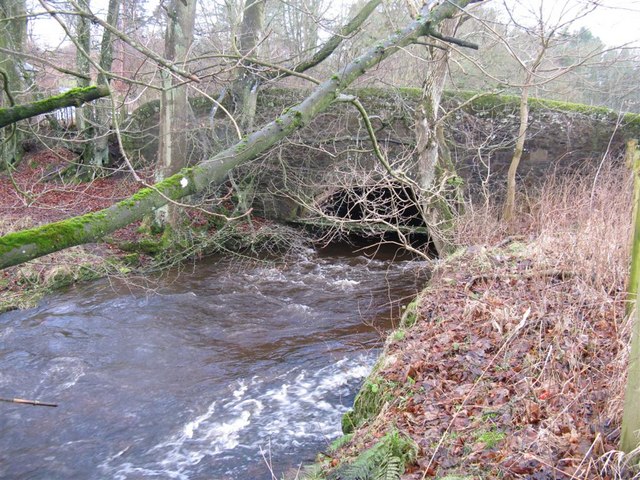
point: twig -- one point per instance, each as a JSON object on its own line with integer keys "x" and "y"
{"x": 511, "y": 336}
{"x": 556, "y": 274}
{"x": 456, "y": 41}
{"x": 35, "y": 403}
{"x": 510, "y": 239}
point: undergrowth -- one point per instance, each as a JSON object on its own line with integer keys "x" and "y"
{"x": 582, "y": 220}
{"x": 546, "y": 296}
{"x": 515, "y": 364}
{"x": 385, "y": 460}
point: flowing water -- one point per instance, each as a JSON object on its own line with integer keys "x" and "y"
{"x": 221, "y": 371}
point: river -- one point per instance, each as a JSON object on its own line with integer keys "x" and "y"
{"x": 224, "y": 370}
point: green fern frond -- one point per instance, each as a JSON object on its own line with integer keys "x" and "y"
{"x": 340, "y": 442}
{"x": 312, "y": 472}
{"x": 391, "y": 469}
{"x": 362, "y": 468}
{"x": 384, "y": 461}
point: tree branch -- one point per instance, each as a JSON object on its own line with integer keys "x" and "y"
{"x": 330, "y": 45}
{"x": 456, "y": 41}
{"x": 19, "y": 247}
{"x": 73, "y": 98}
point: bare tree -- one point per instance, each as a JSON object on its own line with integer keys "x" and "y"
{"x": 22, "y": 246}
{"x": 545, "y": 33}
{"x": 528, "y": 53}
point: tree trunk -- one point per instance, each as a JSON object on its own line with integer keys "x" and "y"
{"x": 85, "y": 116}
{"x": 245, "y": 87}
{"x": 174, "y": 107}
{"x": 431, "y": 146}
{"x": 103, "y": 109}
{"x": 22, "y": 246}
{"x": 13, "y": 27}
{"x": 509, "y": 210}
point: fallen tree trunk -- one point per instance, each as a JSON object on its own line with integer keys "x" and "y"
{"x": 19, "y": 247}
{"x": 73, "y": 98}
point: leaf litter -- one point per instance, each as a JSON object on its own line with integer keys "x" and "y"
{"x": 516, "y": 366}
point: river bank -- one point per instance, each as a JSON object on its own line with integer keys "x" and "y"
{"x": 36, "y": 192}
{"x": 512, "y": 363}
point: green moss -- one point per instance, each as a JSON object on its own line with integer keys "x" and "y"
{"x": 349, "y": 422}
{"x": 131, "y": 260}
{"x": 74, "y": 97}
{"x": 368, "y": 402}
{"x": 170, "y": 187}
{"x": 502, "y": 104}
{"x": 398, "y": 335}
{"x": 490, "y": 438}
{"x": 51, "y": 236}
{"x": 631, "y": 126}
{"x": 298, "y": 120}
{"x": 410, "y": 315}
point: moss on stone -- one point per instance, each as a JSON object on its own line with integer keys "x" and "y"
{"x": 141, "y": 141}
{"x": 498, "y": 104}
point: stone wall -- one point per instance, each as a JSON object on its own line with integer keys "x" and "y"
{"x": 562, "y": 137}
{"x": 335, "y": 147}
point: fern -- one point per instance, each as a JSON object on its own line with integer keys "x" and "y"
{"x": 390, "y": 469}
{"x": 312, "y": 472}
{"x": 384, "y": 461}
{"x": 361, "y": 468}
{"x": 340, "y": 442}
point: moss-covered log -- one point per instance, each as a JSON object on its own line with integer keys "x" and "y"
{"x": 19, "y": 247}
{"x": 73, "y": 98}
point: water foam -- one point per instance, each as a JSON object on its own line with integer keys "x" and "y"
{"x": 61, "y": 374}
{"x": 276, "y": 414}
{"x": 346, "y": 284}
